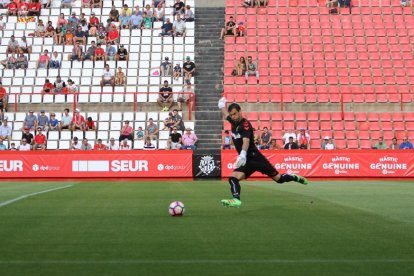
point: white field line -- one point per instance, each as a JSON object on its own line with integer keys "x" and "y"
{"x": 33, "y": 194}
{"x": 263, "y": 261}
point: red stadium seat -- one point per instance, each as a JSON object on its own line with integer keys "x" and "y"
{"x": 352, "y": 144}
{"x": 340, "y": 144}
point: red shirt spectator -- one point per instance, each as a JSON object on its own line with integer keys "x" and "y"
{"x": 99, "y": 51}
{"x": 47, "y": 87}
{"x": 78, "y": 119}
{"x": 23, "y": 6}
{"x": 90, "y": 124}
{"x": 99, "y": 146}
{"x": 34, "y": 6}
{"x": 94, "y": 20}
{"x": 12, "y": 7}
{"x": 113, "y": 34}
{"x": 40, "y": 139}
{"x": 2, "y": 92}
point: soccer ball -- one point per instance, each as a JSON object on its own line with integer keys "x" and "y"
{"x": 176, "y": 208}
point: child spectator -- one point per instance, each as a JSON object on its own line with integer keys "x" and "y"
{"x": 99, "y": 145}
{"x": 47, "y": 87}
{"x": 177, "y": 71}
{"x": 140, "y": 134}
{"x": 327, "y": 144}
{"x": 120, "y": 77}
{"x": 90, "y": 125}
{"x": 303, "y": 139}
{"x": 53, "y": 123}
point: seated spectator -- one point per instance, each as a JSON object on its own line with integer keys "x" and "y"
{"x": 148, "y": 10}
{"x": 124, "y": 145}
{"x": 114, "y": 14}
{"x": 101, "y": 35}
{"x": 77, "y": 52}
{"x": 47, "y": 86}
{"x": 331, "y": 3}
{"x": 96, "y": 4}
{"x": 55, "y": 61}
{"x": 4, "y": 4}
{"x": 85, "y": 145}
{"x": 291, "y": 145}
{"x": 127, "y": 132}
{"x": 344, "y": 3}
{"x": 50, "y": 30}
{"x": 178, "y": 120}
{"x": 406, "y": 144}
{"x": 24, "y": 146}
{"x": 1, "y": 21}
{"x": 13, "y": 147}
{"x": 120, "y": 77}
{"x": 75, "y": 145}
{"x": 12, "y": 9}
{"x": 248, "y": 3}
{"x": 99, "y": 145}
{"x": 135, "y": 20}
{"x": 30, "y": 121}
{"x": 66, "y": 4}
{"x": 226, "y": 142}
{"x": 113, "y": 36}
{"x": 25, "y": 45}
{"x": 93, "y": 20}
{"x": 148, "y": 145}
{"x": 108, "y": 77}
{"x": 229, "y": 28}
{"x": 394, "y": 144}
{"x": 79, "y": 36}
{"x": 12, "y": 46}
{"x": 186, "y": 95}
{"x": 303, "y": 139}
{"x": 2, "y": 146}
{"x": 165, "y": 67}
{"x": 53, "y": 123}
{"x": 188, "y": 15}
{"x": 23, "y": 8}
{"x": 158, "y": 3}
{"x": 405, "y": 3}
{"x": 189, "y": 140}
{"x": 59, "y": 85}
{"x": 99, "y": 53}
{"x": 158, "y": 14}
{"x": 122, "y": 53}
{"x": 327, "y": 143}
{"x": 124, "y": 20}
{"x": 177, "y": 71}
{"x": 251, "y": 69}
{"x": 45, "y": 3}
{"x": 110, "y": 52}
{"x": 165, "y": 97}
{"x": 93, "y": 30}
{"x": 84, "y": 27}
{"x": 71, "y": 87}
{"x": 179, "y": 28}
{"x": 380, "y": 144}
{"x": 137, "y": 9}
{"x": 189, "y": 68}
{"x": 90, "y": 124}
{"x": 108, "y": 26}
{"x": 3, "y": 100}
{"x": 86, "y": 3}
{"x": 179, "y": 7}
{"x": 168, "y": 122}
{"x": 10, "y": 61}
{"x": 21, "y": 61}
{"x": 42, "y": 120}
{"x": 167, "y": 28}
{"x": 112, "y": 145}
{"x": 78, "y": 121}
{"x": 140, "y": 134}
{"x": 240, "y": 29}
{"x": 146, "y": 22}
{"x": 261, "y": 3}
{"x": 61, "y": 20}
{"x": 69, "y": 37}
{"x": 28, "y": 136}
{"x": 39, "y": 140}
{"x": 241, "y": 67}
{"x": 40, "y": 29}
{"x": 273, "y": 144}
{"x": 151, "y": 130}
{"x": 5, "y": 131}
{"x": 90, "y": 53}
{"x": 66, "y": 120}
{"x": 43, "y": 61}
{"x": 265, "y": 139}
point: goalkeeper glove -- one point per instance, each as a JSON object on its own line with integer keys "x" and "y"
{"x": 222, "y": 102}
{"x": 241, "y": 159}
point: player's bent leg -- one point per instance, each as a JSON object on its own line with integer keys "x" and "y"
{"x": 235, "y": 189}
{"x": 282, "y": 178}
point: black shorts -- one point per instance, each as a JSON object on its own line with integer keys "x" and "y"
{"x": 257, "y": 163}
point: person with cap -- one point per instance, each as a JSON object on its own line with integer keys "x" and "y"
{"x": 110, "y": 52}
{"x": 90, "y": 124}
{"x": 167, "y": 28}
{"x": 165, "y": 97}
{"x": 42, "y": 120}
{"x": 39, "y": 140}
{"x": 165, "y": 67}
{"x": 3, "y": 99}
{"x": 189, "y": 68}
{"x": 127, "y": 132}
{"x": 113, "y": 35}
{"x": 85, "y": 145}
{"x": 75, "y": 145}
{"x": 66, "y": 120}
{"x": 189, "y": 140}
{"x": 99, "y": 53}
{"x": 186, "y": 95}
{"x": 5, "y": 131}
{"x": 229, "y": 28}
{"x": 124, "y": 145}
{"x": 177, "y": 71}
{"x": 99, "y": 145}
{"x": 28, "y": 136}
{"x": 24, "y": 145}
{"x": 146, "y": 22}
{"x": 120, "y": 77}
{"x": 304, "y": 139}
{"x": 78, "y": 121}
{"x": 25, "y": 45}
{"x": 53, "y": 124}
{"x": 122, "y": 53}
{"x": 108, "y": 77}
{"x": 112, "y": 145}
{"x": 67, "y": 4}
{"x": 151, "y": 130}
{"x": 252, "y": 69}
{"x": 30, "y": 120}
{"x": 12, "y": 46}
{"x": 327, "y": 143}
{"x": 47, "y": 86}
{"x": 179, "y": 27}
{"x": 90, "y": 53}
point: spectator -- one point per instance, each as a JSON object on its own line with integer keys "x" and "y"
{"x": 178, "y": 7}
{"x": 189, "y": 68}
{"x": 23, "y": 8}
{"x": 152, "y": 130}
{"x": 78, "y": 121}
{"x": 406, "y": 144}
{"x": 241, "y": 67}
{"x": 405, "y": 3}
{"x": 21, "y": 61}
{"x": 251, "y": 69}
{"x": 93, "y": 30}
{"x": 127, "y": 132}
{"x": 24, "y": 145}
{"x": 99, "y": 53}
{"x": 66, "y": 4}
{"x": 66, "y": 120}
{"x": 84, "y": 27}
{"x": 344, "y": 3}
{"x": 167, "y": 28}
{"x": 135, "y": 20}
{"x": 53, "y": 123}
{"x": 43, "y": 61}
{"x": 55, "y": 61}
{"x": 112, "y": 145}
{"x": 114, "y": 14}
{"x": 30, "y": 121}
{"x": 127, "y": 10}
{"x": 189, "y": 140}
{"x": 10, "y": 61}
{"x": 124, "y": 145}
{"x": 2, "y": 146}
{"x": 148, "y": 145}
{"x": 331, "y": 3}
{"x": 13, "y": 147}
{"x": 122, "y": 53}
{"x": 25, "y": 45}
{"x": 188, "y": 15}
{"x": 4, "y": 4}
{"x": 69, "y": 37}
{"x": 50, "y": 30}
{"x": 61, "y": 20}
{"x": 99, "y": 145}
{"x": 113, "y": 35}
{"x": 120, "y": 77}
{"x": 12, "y": 46}
{"x": 159, "y": 14}
{"x": 96, "y": 4}
{"x": 90, "y": 53}
{"x": 40, "y": 29}
{"x": 42, "y": 120}
{"x": 108, "y": 77}
{"x": 394, "y": 145}
{"x": 165, "y": 67}
{"x": 226, "y": 142}
{"x": 303, "y": 139}
{"x": 59, "y": 85}
{"x": 75, "y": 144}
{"x": 79, "y": 36}
{"x": 39, "y": 140}
{"x": 93, "y": 20}
{"x": 380, "y": 144}
{"x": 248, "y": 3}
{"x": 110, "y": 52}
{"x": 90, "y": 124}
{"x": 178, "y": 120}
{"x": 101, "y": 35}
{"x": 140, "y": 134}
{"x": 261, "y": 3}
{"x": 45, "y": 3}
{"x": 177, "y": 71}
{"x": 5, "y": 131}
{"x": 179, "y": 28}
{"x": 327, "y": 143}
{"x": 146, "y": 22}
{"x": 124, "y": 20}
{"x": 12, "y": 9}
{"x": 185, "y": 96}
{"x": 265, "y": 139}
{"x": 148, "y": 10}
{"x": 86, "y": 3}
{"x": 229, "y": 28}
{"x": 1, "y": 20}
{"x": 158, "y": 3}
{"x": 28, "y": 136}
{"x": 85, "y": 145}
{"x": 291, "y": 144}
{"x": 168, "y": 122}
{"x": 240, "y": 29}
{"x": 165, "y": 97}
{"x": 3, "y": 99}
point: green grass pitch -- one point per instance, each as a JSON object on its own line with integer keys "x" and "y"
{"x": 123, "y": 228}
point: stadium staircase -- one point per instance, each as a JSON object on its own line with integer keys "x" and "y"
{"x": 209, "y": 58}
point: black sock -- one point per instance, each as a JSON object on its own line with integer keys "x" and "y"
{"x": 235, "y": 188}
{"x": 286, "y": 178}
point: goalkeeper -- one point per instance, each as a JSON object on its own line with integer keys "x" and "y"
{"x": 250, "y": 159}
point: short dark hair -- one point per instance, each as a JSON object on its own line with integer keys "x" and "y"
{"x": 233, "y": 106}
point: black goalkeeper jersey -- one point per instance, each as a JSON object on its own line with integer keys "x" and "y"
{"x": 240, "y": 130}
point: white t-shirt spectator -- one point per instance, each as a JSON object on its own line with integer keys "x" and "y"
{"x": 329, "y": 146}
{"x": 72, "y": 88}
{"x": 179, "y": 26}
{"x": 124, "y": 147}
{"x": 25, "y": 147}
{"x": 113, "y": 147}
{"x": 108, "y": 74}
{"x": 76, "y": 146}
{"x": 24, "y": 44}
{"x": 58, "y": 58}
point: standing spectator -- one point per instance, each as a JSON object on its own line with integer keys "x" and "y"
{"x": 179, "y": 27}
{"x": 165, "y": 97}
{"x": 12, "y": 46}
{"x": 42, "y": 120}
{"x": 30, "y": 120}
{"x": 110, "y": 52}
{"x": 28, "y": 136}
{"x": 24, "y": 145}
{"x": 126, "y": 132}
{"x": 178, "y": 7}
{"x": 53, "y": 123}
{"x": 152, "y": 130}
{"x": 114, "y": 14}
{"x": 327, "y": 143}
{"x": 241, "y": 67}
{"x": 66, "y": 120}
{"x": 251, "y": 69}
{"x": 99, "y": 53}
{"x": 78, "y": 121}
{"x": 188, "y": 68}
{"x": 113, "y": 35}
{"x": 291, "y": 145}
{"x": 124, "y": 145}
{"x": 120, "y": 77}
{"x": 43, "y": 61}
{"x": 39, "y": 140}
{"x": 59, "y": 85}
{"x": 3, "y": 99}
{"x": 226, "y": 140}
{"x": 406, "y": 144}
{"x": 122, "y": 53}
{"x": 108, "y": 77}
{"x": 158, "y": 14}
{"x": 394, "y": 145}
{"x": 135, "y": 20}
{"x": 380, "y": 144}
{"x": 148, "y": 145}
{"x": 265, "y": 139}
{"x": 99, "y": 145}
{"x": 303, "y": 139}
{"x": 75, "y": 144}
{"x": 25, "y": 45}
{"x": 178, "y": 120}
{"x": 112, "y": 145}
{"x": 2, "y": 146}
{"x": 167, "y": 28}
{"x": 229, "y": 28}
{"x": 5, "y": 131}
{"x": 177, "y": 71}
{"x": 79, "y": 36}
{"x": 90, "y": 53}
{"x": 124, "y": 20}
{"x": 140, "y": 134}
{"x": 55, "y": 61}
{"x": 189, "y": 140}
{"x": 165, "y": 67}
{"x": 188, "y": 15}
{"x": 40, "y": 29}
{"x": 90, "y": 124}
{"x": 85, "y": 145}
